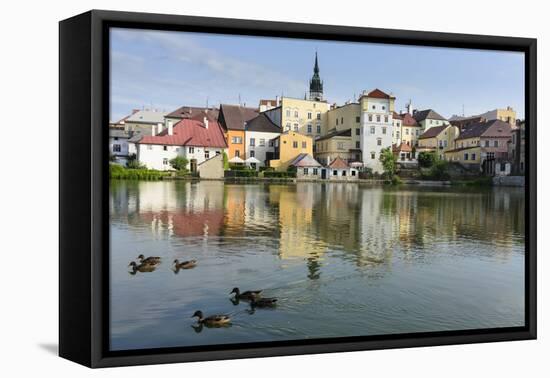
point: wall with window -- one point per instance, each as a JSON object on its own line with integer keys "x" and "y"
{"x": 259, "y": 145}
{"x": 377, "y": 130}
{"x": 155, "y": 156}
{"x": 290, "y": 145}
{"x": 302, "y": 116}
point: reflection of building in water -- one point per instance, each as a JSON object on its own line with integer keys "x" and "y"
{"x": 298, "y": 237}
{"x": 235, "y": 202}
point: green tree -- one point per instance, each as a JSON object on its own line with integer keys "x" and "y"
{"x": 426, "y": 159}
{"x": 440, "y": 171}
{"x": 389, "y": 162}
{"x": 225, "y": 162}
{"x": 179, "y": 163}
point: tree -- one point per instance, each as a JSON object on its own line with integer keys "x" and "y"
{"x": 426, "y": 159}
{"x": 179, "y": 163}
{"x": 133, "y": 163}
{"x": 439, "y": 170}
{"x": 225, "y": 161}
{"x": 389, "y": 162}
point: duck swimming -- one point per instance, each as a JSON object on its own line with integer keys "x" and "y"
{"x": 212, "y": 320}
{"x": 263, "y": 302}
{"x": 149, "y": 260}
{"x": 185, "y": 264}
{"x": 142, "y": 268}
{"x": 249, "y": 295}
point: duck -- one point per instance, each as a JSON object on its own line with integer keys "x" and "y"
{"x": 143, "y": 267}
{"x": 212, "y": 320}
{"x": 263, "y": 302}
{"x": 250, "y": 294}
{"x": 149, "y": 260}
{"x": 185, "y": 264}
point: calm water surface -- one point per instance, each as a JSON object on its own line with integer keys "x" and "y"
{"x": 343, "y": 259}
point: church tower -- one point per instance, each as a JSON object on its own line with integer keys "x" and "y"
{"x": 315, "y": 84}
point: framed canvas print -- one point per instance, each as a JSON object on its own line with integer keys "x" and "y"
{"x": 235, "y": 188}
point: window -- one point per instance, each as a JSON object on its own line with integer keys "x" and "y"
{"x": 383, "y": 107}
{"x": 343, "y": 173}
{"x": 318, "y": 129}
{"x": 372, "y": 130}
{"x": 252, "y": 142}
{"x": 318, "y": 115}
{"x": 315, "y": 171}
{"x": 149, "y": 147}
{"x": 116, "y": 148}
{"x": 304, "y": 144}
{"x": 295, "y": 144}
{"x": 309, "y": 115}
{"x": 370, "y": 117}
{"x": 165, "y": 148}
{"x": 377, "y": 118}
{"x": 335, "y": 173}
{"x": 252, "y": 153}
{"x": 336, "y": 121}
{"x": 397, "y": 134}
{"x": 271, "y": 143}
{"x": 340, "y": 145}
{"x": 288, "y": 112}
{"x": 473, "y": 156}
{"x": 417, "y": 132}
{"x": 218, "y": 153}
{"x": 357, "y": 119}
{"x": 296, "y": 127}
{"x": 116, "y": 138}
{"x": 496, "y": 143}
{"x": 406, "y": 131}
{"x": 502, "y": 167}
{"x": 373, "y": 155}
{"x": 236, "y": 140}
{"x": 353, "y": 173}
{"x": 465, "y": 156}
{"x": 373, "y": 107}
{"x": 237, "y": 153}
{"x": 386, "y": 119}
{"x": 342, "y": 120}
{"x": 445, "y": 143}
{"x": 306, "y": 171}
{"x": 287, "y": 126}
{"x": 295, "y": 114}
{"x": 191, "y": 150}
{"x": 262, "y": 142}
{"x": 383, "y": 130}
{"x": 357, "y": 131}
{"x": 309, "y": 128}
{"x": 357, "y": 144}
{"x": 379, "y": 141}
{"x": 206, "y": 154}
{"x": 177, "y": 149}
{"x": 165, "y": 161}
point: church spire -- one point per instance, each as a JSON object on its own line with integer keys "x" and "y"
{"x": 315, "y": 84}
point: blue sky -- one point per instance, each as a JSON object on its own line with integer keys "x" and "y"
{"x": 165, "y": 70}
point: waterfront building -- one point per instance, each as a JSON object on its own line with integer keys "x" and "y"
{"x": 233, "y": 119}
{"x": 482, "y": 145}
{"x": 196, "y": 140}
{"x": 397, "y": 128}
{"x": 438, "y": 139}
{"x": 337, "y": 144}
{"x": 347, "y": 117}
{"x": 260, "y": 135}
{"x": 376, "y": 119}
{"x": 429, "y": 118}
{"x": 143, "y": 121}
{"x": 410, "y": 130}
{"x": 340, "y": 170}
{"x": 288, "y": 146}
{"x": 403, "y": 152}
{"x": 516, "y": 148}
{"x": 306, "y": 167}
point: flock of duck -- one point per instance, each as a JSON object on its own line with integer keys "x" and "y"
{"x": 254, "y": 297}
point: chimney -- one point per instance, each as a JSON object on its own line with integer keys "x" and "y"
{"x": 159, "y": 128}
{"x": 170, "y": 128}
{"x": 205, "y": 121}
{"x": 277, "y": 101}
{"x": 153, "y": 130}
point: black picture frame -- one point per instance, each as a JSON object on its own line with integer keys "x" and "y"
{"x": 83, "y": 182}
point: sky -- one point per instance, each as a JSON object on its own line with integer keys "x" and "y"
{"x": 165, "y": 70}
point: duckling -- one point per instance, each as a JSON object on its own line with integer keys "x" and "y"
{"x": 248, "y": 295}
{"x": 149, "y": 260}
{"x": 142, "y": 268}
{"x": 185, "y": 264}
{"x": 263, "y": 302}
{"x": 212, "y": 320}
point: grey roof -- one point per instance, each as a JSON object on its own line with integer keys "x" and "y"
{"x": 147, "y": 116}
{"x": 433, "y": 132}
{"x": 495, "y": 128}
{"x": 421, "y": 115}
{"x": 118, "y": 133}
{"x": 343, "y": 133}
{"x": 262, "y": 123}
{"x": 305, "y": 160}
{"x": 233, "y": 117}
{"x": 192, "y": 111}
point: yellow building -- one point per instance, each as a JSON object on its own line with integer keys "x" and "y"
{"x": 465, "y": 155}
{"x": 346, "y": 117}
{"x": 334, "y": 145}
{"x": 307, "y": 117}
{"x": 289, "y": 145}
{"x": 410, "y": 131}
{"x": 507, "y": 115}
{"x": 438, "y": 139}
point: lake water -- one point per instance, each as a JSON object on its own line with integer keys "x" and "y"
{"x": 343, "y": 260}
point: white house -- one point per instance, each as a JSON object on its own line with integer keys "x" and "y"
{"x": 260, "y": 135}
{"x": 377, "y": 127}
{"x": 197, "y": 139}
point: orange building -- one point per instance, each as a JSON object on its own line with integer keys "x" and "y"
{"x": 233, "y": 119}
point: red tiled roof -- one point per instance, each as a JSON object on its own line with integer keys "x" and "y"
{"x": 402, "y": 147}
{"x": 408, "y": 120}
{"x": 433, "y": 132}
{"x": 190, "y": 132}
{"x": 397, "y": 116}
{"x": 338, "y": 164}
{"x": 377, "y": 93}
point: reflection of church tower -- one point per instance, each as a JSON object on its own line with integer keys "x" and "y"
{"x": 315, "y": 84}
